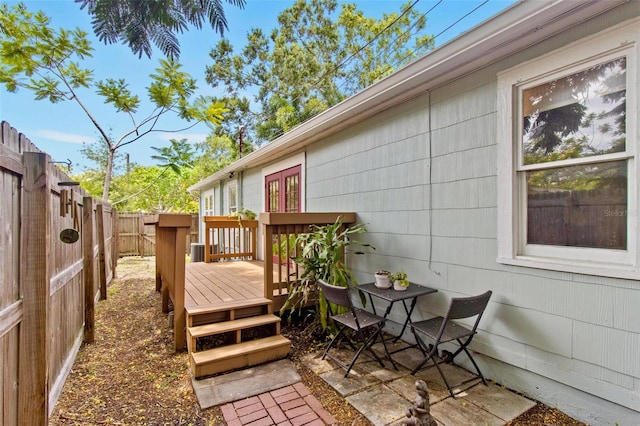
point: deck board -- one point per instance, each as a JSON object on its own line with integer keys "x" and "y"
{"x": 208, "y": 284}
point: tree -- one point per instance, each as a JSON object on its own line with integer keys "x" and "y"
{"x": 175, "y": 158}
{"x": 138, "y": 23}
{"x": 36, "y": 57}
{"x": 313, "y": 60}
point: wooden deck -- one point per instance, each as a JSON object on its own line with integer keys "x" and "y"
{"x": 210, "y": 284}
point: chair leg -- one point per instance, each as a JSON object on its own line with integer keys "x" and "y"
{"x": 386, "y": 350}
{"x": 429, "y": 354}
{"x": 335, "y": 339}
{"x": 366, "y": 345}
{"x": 473, "y": 361}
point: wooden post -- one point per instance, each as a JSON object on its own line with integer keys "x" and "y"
{"x": 171, "y": 239}
{"x": 180, "y": 318}
{"x": 267, "y": 243}
{"x": 89, "y": 268}
{"x": 35, "y": 250}
{"x": 101, "y": 250}
{"x": 115, "y": 241}
{"x": 140, "y": 238}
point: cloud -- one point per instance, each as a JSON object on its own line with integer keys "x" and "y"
{"x": 190, "y": 137}
{"x": 57, "y": 136}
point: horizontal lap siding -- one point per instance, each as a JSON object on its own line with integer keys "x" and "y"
{"x": 550, "y": 323}
{"x": 380, "y": 170}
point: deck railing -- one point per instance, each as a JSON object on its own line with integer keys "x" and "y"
{"x": 229, "y": 238}
{"x": 280, "y": 231}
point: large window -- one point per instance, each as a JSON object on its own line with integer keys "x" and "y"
{"x": 568, "y": 169}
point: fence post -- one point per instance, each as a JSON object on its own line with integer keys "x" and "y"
{"x": 115, "y": 240}
{"x": 33, "y": 398}
{"x": 101, "y": 250}
{"x": 89, "y": 268}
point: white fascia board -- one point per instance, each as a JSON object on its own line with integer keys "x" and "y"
{"x": 517, "y": 27}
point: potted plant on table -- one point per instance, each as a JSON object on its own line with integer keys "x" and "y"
{"x": 383, "y": 278}
{"x": 400, "y": 281}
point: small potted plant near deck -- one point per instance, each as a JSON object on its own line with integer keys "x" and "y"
{"x": 243, "y": 214}
{"x": 383, "y": 279}
{"x": 400, "y": 281}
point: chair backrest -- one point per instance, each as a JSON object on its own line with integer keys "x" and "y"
{"x": 467, "y": 307}
{"x": 335, "y": 294}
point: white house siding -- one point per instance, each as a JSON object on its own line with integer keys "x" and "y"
{"x": 545, "y": 333}
{"x": 251, "y": 197}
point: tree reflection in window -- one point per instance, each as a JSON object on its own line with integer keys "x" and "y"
{"x": 580, "y": 115}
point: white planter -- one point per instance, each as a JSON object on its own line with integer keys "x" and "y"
{"x": 383, "y": 281}
{"x": 399, "y": 287}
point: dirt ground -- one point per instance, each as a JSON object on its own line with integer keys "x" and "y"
{"x": 130, "y": 375}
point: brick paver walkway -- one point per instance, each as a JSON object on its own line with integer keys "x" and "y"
{"x": 292, "y": 406}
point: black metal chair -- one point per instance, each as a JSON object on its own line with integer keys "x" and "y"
{"x": 444, "y": 330}
{"x": 358, "y": 321}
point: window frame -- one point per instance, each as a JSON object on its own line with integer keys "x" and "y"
{"x": 209, "y": 204}
{"x": 619, "y": 41}
{"x": 232, "y": 204}
{"x": 289, "y": 163}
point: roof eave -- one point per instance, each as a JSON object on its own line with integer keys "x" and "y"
{"x": 517, "y": 27}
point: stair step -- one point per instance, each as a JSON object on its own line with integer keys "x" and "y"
{"x": 245, "y": 354}
{"x": 229, "y": 306}
{"x": 228, "y": 311}
{"x": 227, "y": 326}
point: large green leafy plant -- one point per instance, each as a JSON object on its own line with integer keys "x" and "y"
{"x": 320, "y": 256}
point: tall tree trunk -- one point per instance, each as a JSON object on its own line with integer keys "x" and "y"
{"x": 107, "y": 174}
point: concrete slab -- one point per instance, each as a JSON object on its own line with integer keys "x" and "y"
{"x": 384, "y": 396}
{"x": 244, "y": 383}
{"x": 355, "y": 382}
{"x": 456, "y": 412}
{"x": 380, "y": 405}
{"x": 493, "y": 398}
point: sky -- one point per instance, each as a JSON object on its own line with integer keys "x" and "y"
{"x": 61, "y": 129}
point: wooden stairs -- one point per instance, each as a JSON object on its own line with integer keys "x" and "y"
{"x": 233, "y": 335}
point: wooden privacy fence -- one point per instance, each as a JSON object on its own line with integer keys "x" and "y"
{"x": 589, "y": 218}
{"x": 135, "y": 238}
{"x": 48, "y": 287}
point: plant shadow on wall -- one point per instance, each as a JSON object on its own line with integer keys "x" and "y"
{"x": 320, "y": 257}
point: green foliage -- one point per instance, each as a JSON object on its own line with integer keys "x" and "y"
{"x": 139, "y": 23}
{"x": 154, "y": 189}
{"x": 320, "y": 258}
{"x": 38, "y": 58}
{"x": 400, "y": 277}
{"x": 315, "y": 58}
{"x": 177, "y": 156}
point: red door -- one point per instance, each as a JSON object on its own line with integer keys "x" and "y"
{"x": 282, "y": 191}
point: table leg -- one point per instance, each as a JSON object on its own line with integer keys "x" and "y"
{"x": 408, "y": 311}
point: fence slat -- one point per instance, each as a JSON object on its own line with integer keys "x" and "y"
{"x": 33, "y": 396}
{"x": 87, "y": 248}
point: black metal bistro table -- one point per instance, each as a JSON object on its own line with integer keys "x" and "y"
{"x": 392, "y": 296}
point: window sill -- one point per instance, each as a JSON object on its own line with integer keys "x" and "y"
{"x": 601, "y": 269}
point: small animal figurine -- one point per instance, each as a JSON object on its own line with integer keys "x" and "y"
{"x": 419, "y": 414}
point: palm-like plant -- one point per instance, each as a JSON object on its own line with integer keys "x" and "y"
{"x": 321, "y": 258}
{"x": 140, "y": 22}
